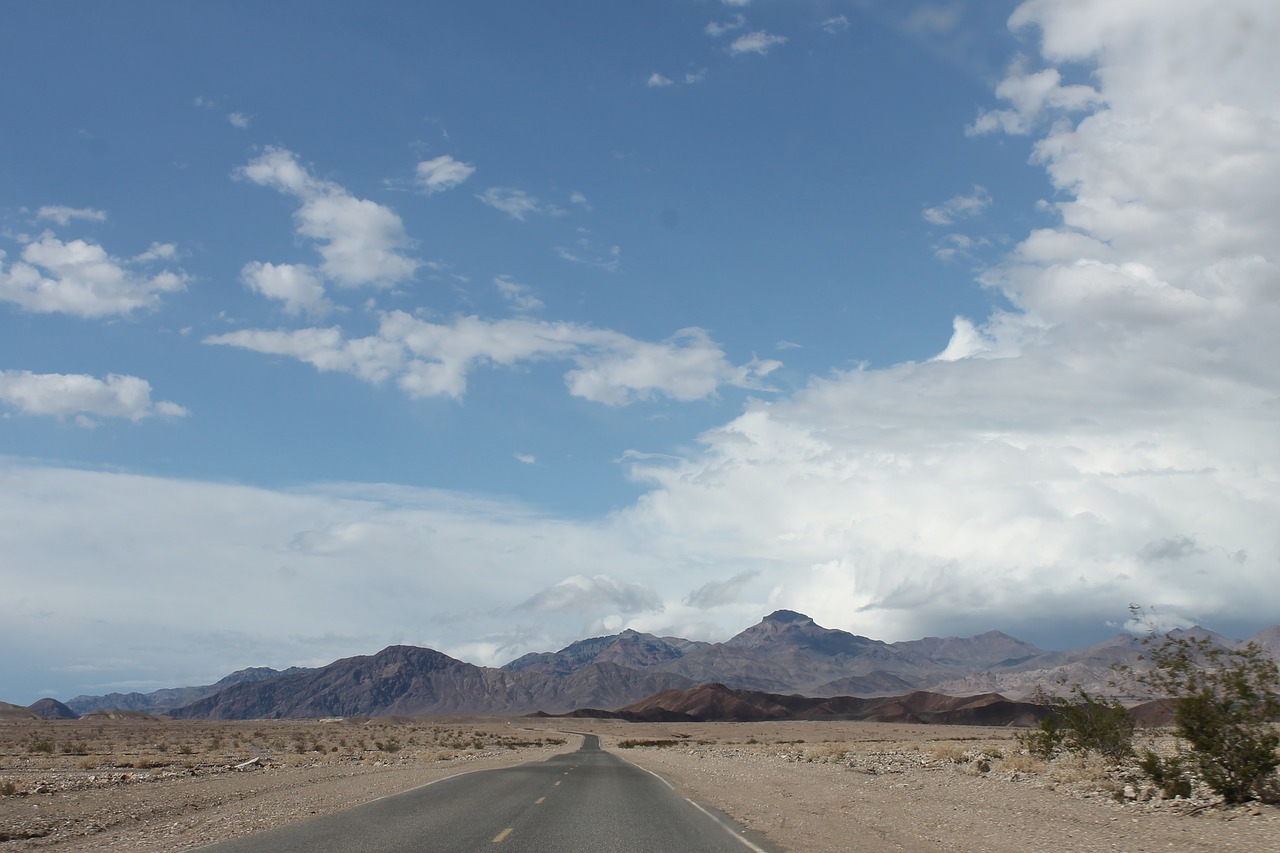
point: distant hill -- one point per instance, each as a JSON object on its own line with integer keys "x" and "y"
{"x": 9, "y": 711}
{"x": 407, "y": 680}
{"x": 52, "y": 709}
{"x": 712, "y": 703}
{"x": 786, "y": 654}
{"x": 165, "y": 700}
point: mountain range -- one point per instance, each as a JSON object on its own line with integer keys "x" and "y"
{"x": 786, "y": 653}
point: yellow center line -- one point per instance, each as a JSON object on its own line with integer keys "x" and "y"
{"x": 502, "y": 836}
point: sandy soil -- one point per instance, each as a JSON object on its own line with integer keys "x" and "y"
{"x": 819, "y": 786}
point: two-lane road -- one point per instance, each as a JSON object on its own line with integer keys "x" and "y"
{"x": 588, "y": 800}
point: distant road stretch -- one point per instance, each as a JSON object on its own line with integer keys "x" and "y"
{"x": 588, "y": 801}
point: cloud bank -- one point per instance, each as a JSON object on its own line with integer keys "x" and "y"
{"x": 1107, "y": 437}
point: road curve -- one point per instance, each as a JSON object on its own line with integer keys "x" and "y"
{"x": 588, "y": 801}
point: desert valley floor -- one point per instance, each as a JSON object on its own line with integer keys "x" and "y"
{"x": 162, "y": 785}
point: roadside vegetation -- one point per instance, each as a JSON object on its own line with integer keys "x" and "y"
{"x": 1225, "y": 707}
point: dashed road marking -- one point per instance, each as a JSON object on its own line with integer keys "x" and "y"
{"x": 539, "y": 801}
{"x": 502, "y": 836}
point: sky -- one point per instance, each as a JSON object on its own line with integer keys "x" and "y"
{"x": 488, "y": 326}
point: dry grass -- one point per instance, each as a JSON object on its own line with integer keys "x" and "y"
{"x": 69, "y": 753}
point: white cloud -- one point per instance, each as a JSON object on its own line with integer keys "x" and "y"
{"x": 590, "y": 253}
{"x": 239, "y": 120}
{"x": 715, "y": 29}
{"x": 717, "y": 593}
{"x": 959, "y": 207}
{"x": 736, "y": 2}
{"x": 693, "y": 77}
{"x": 361, "y": 242}
{"x": 443, "y": 173}
{"x": 687, "y": 366}
{"x": 372, "y": 359}
{"x": 657, "y": 81}
{"x": 81, "y": 279}
{"x": 580, "y": 593}
{"x": 296, "y": 286}
{"x": 758, "y": 42}
{"x": 518, "y": 295}
{"x": 526, "y": 459}
{"x": 515, "y": 203}
{"x": 157, "y": 252}
{"x": 1031, "y": 95}
{"x": 63, "y": 215}
{"x": 838, "y": 24}
{"x": 429, "y": 359}
{"x": 1110, "y": 435}
{"x": 64, "y": 395}
{"x": 580, "y": 200}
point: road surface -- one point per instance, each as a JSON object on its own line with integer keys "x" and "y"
{"x": 588, "y": 801}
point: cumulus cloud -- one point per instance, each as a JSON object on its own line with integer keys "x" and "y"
{"x": 1031, "y": 95}
{"x": 80, "y": 278}
{"x": 758, "y": 42}
{"x": 63, "y": 215}
{"x": 63, "y": 395}
{"x": 715, "y": 29}
{"x": 361, "y": 242}
{"x": 297, "y": 286}
{"x": 430, "y": 359}
{"x": 239, "y": 120}
{"x": 1046, "y": 467}
{"x": 1108, "y": 436}
{"x": 515, "y": 203}
{"x": 658, "y": 81}
{"x": 443, "y": 173}
{"x": 517, "y": 295}
{"x": 959, "y": 207}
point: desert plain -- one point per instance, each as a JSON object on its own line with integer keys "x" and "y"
{"x": 151, "y": 784}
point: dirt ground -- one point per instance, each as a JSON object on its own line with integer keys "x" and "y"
{"x": 164, "y": 785}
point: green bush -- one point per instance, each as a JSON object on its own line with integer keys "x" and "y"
{"x": 1224, "y": 703}
{"x": 1083, "y": 723}
{"x": 1169, "y": 774}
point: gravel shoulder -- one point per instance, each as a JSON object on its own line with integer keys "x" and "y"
{"x": 815, "y": 786}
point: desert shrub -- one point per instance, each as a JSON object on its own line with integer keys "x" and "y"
{"x": 1224, "y": 702}
{"x": 632, "y": 743}
{"x": 1022, "y": 762}
{"x": 953, "y": 752}
{"x": 8, "y": 788}
{"x": 1082, "y": 723}
{"x": 75, "y": 748}
{"x": 44, "y": 745}
{"x": 825, "y": 753}
{"x": 1168, "y": 773}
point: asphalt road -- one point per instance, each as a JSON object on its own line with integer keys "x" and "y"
{"x": 588, "y": 801}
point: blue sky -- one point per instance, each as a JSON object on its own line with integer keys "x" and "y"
{"x": 491, "y": 325}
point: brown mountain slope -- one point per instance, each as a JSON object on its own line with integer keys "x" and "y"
{"x": 718, "y": 703}
{"x": 411, "y": 681}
